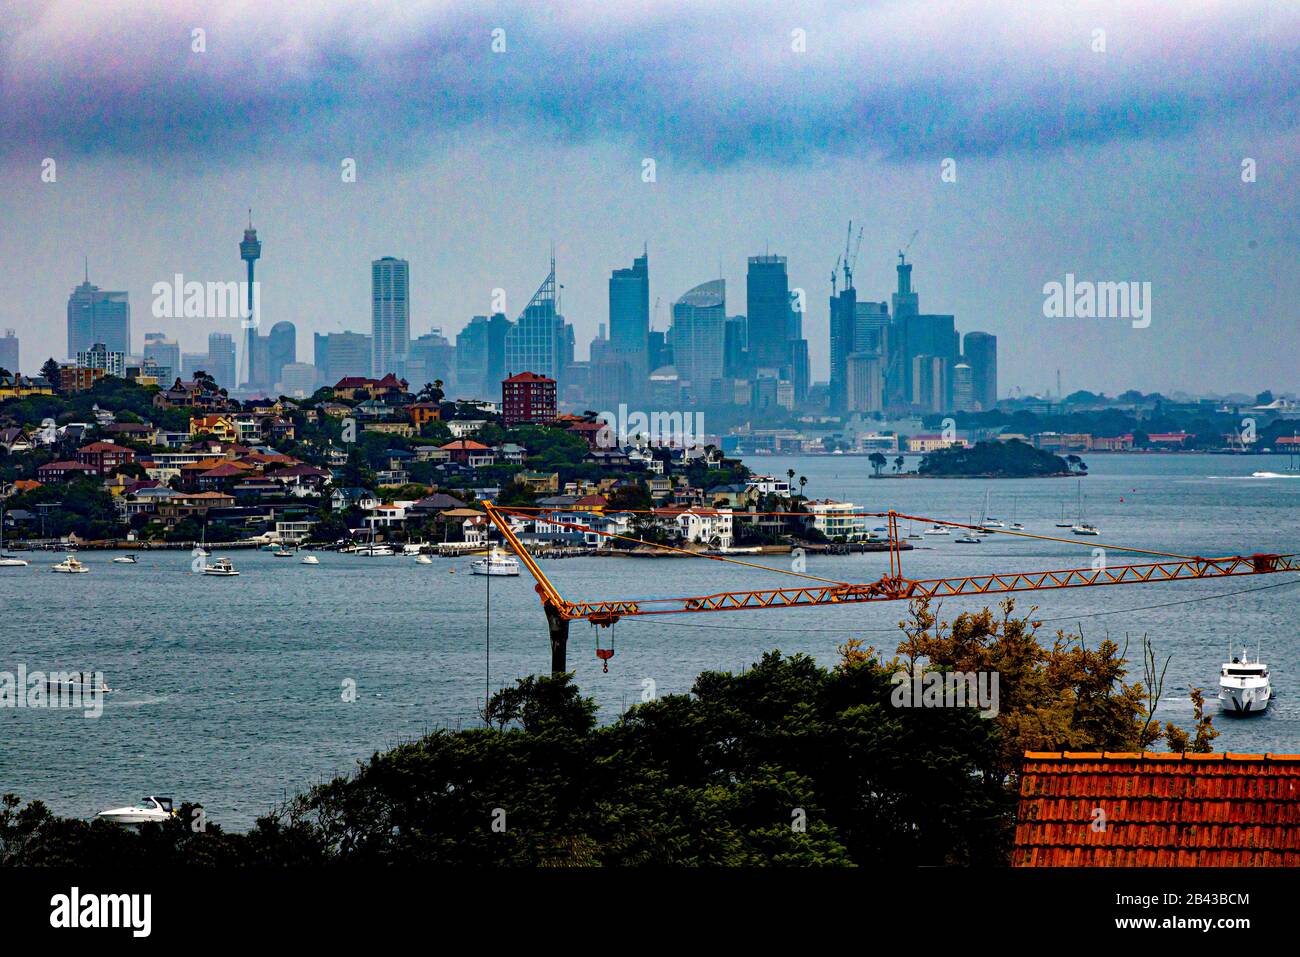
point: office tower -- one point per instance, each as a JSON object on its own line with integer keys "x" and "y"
{"x": 661, "y": 352}
{"x": 734, "y": 347}
{"x": 981, "y": 354}
{"x": 250, "y": 250}
{"x": 629, "y": 318}
{"x": 339, "y": 355}
{"x": 222, "y": 363}
{"x": 481, "y": 355}
{"x": 390, "y": 314}
{"x": 871, "y": 327}
{"x": 281, "y": 349}
{"x": 799, "y": 369}
{"x": 912, "y": 334}
{"x": 99, "y": 356}
{"x": 963, "y": 388}
{"x": 9, "y": 352}
{"x": 865, "y": 374}
{"x": 843, "y": 326}
{"x": 192, "y": 362}
{"x": 699, "y": 336}
{"x": 931, "y": 383}
{"x": 538, "y": 341}
{"x": 767, "y": 290}
{"x": 97, "y": 315}
{"x": 763, "y": 392}
{"x": 434, "y": 357}
{"x": 298, "y": 379}
{"x": 164, "y": 353}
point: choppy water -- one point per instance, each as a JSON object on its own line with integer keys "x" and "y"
{"x": 228, "y": 691}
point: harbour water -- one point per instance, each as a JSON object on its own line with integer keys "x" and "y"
{"x": 231, "y": 691}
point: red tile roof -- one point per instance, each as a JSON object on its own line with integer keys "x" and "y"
{"x": 1160, "y": 810}
{"x": 529, "y": 377}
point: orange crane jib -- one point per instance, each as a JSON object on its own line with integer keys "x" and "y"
{"x": 891, "y": 587}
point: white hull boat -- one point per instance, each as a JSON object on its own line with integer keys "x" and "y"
{"x": 70, "y": 566}
{"x": 1244, "y": 686}
{"x": 151, "y": 809}
{"x": 497, "y": 563}
{"x": 310, "y": 560}
{"x": 220, "y": 568}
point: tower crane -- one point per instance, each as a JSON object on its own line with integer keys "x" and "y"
{"x": 815, "y": 591}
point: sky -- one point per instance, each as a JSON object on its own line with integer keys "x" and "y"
{"x": 1017, "y": 142}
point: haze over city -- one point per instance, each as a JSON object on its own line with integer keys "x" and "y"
{"x": 1117, "y": 164}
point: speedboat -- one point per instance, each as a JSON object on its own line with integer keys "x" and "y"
{"x": 938, "y": 530}
{"x": 125, "y": 560}
{"x": 150, "y": 809}
{"x": 8, "y": 561}
{"x": 1244, "y": 686}
{"x": 496, "y": 563}
{"x": 967, "y": 540}
{"x": 70, "y": 566}
{"x": 372, "y": 551}
{"x": 423, "y": 560}
{"x": 310, "y": 560}
{"x": 81, "y": 682}
{"x": 220, "y": 568}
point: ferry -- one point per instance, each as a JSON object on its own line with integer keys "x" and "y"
{"x": 70, "y": 566}
{"x": 496, "y": 563}
{"x": 1244, "y": 686}
{"x": 220, "y": 568}
{"x": 154, "y": 809}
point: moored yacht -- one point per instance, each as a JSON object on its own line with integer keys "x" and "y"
{"x": 220, "y": 568}
{"x": 70, "y": 566}
{"x": 125, "y": 560}
{"x": 496, "y": 563}
{"x": 1244, "y": 686}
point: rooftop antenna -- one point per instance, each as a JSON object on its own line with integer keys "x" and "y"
{"x": 87, "y": 263}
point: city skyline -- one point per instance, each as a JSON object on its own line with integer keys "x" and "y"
{"x": 1062, "y": 165}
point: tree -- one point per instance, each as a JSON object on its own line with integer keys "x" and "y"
{"x": 877, "y": 461}
{"x": 898, "y": 463}
{"x": 50, "y": 373}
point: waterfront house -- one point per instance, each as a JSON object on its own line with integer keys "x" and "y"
{"x": 930, "y": 442}
{"x": 460, "y": 428}
{"x": 191, "y": 505}
{"x": 702, "y": 525}
{"x": 836, "y": 520}
{"x": 344, "y": 498}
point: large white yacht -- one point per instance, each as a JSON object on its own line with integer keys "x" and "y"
{"x": 1244, "y": 686}
{"x": 496, "y": 563}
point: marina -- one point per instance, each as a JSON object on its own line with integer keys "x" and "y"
{"x": 232, "y": 696}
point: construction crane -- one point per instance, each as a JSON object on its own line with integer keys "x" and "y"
{"x": 893, "y": 586}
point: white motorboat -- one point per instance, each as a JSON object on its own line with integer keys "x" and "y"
{"x": 412, "y": 548}
{"x": 1244, "y": 686}
{"x": 967, "y": 540}
{"x": 283, "y": 553}
{"x": 372, "y": 551}
{"x": 70, "y": 566}
{"x": 7, "y": 561}
{"x": 220, "y": 568}
{"x": 423, "y": 560}
{"x": 153, "y": 809}
{"x": 496, "y": 563}
{"x": 78, "y": 682}
{"x": 938, "y": 530}
{"x": 310, "y": 560}
{"x": 125, "y": 560}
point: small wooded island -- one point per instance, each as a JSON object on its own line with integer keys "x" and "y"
{"x": 1010, "y": 459}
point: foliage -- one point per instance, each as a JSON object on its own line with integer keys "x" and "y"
{"x": 1012, "y": 459}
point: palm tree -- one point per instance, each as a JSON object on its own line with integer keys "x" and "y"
{"x": 803, "y": 480}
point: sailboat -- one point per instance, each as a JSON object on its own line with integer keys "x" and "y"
{"x": 1064, "y": 522}
{"x": 968, "y": 537}
{"x": 1014, "y": 504}
{"x": 989, "y": 520}
{"x": 1082, "y": 527}
{"x": 7, "y": 561}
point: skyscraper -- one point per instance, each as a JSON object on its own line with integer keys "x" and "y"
{"x": 281, "y": 350}
{"x": 96, "y": 315}
{"x": 9, "y": 352}
{"x": 164, "y": 353}
{"x": 341, "y": 354}
{"x": 538, "y": 340}
{"x": 699, "y": 335}
{"x": 963, "y": 388}
{"x": 912, "y": 334}
{"x": 390, "y": 314}
{"x": 981, "y": 354}
{"x": 844, "y": 313}
{"x": 629, "y": 319}
{"x": 250, "y": 251}
{"x": 481, "y": 355}
{"x": 222, "y": 362}
{"x": 767, "y": 289}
